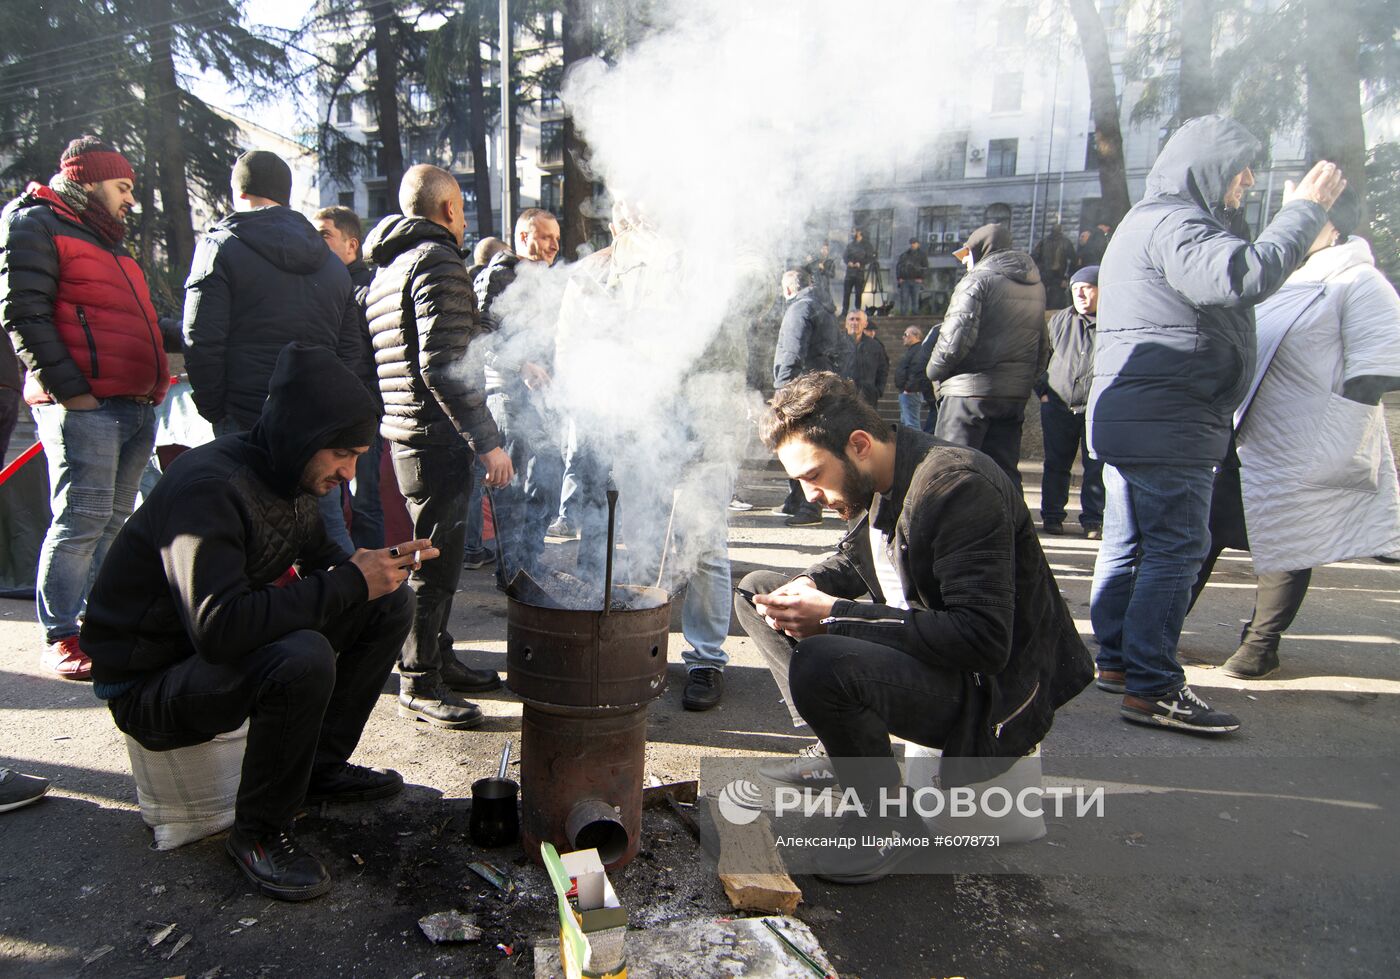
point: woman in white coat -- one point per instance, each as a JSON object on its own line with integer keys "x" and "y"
{"x": 1317, "y": 475}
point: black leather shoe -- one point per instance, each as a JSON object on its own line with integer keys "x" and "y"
{"x": 457, "y": 676}
{"x": 438, "y": 707}
{"x": 704, "y": 688}
{"x": 1054, "y": 527}
{"x": 278, "y": 865}
{"x": 353, "y": 783}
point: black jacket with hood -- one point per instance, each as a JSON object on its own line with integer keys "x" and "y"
{"x": 992, "y": 343}
{"x": 982, "y": 598}
{"x": 1177, "y": 290}
{"x": 422, "y": 316}
{"x": 261, "y": 279}
{"x": 191, "y": 572}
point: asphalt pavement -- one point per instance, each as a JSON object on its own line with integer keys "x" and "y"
{"x": 78, "y": 882}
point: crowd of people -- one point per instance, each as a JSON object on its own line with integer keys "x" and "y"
{"x": 937, "y": 618}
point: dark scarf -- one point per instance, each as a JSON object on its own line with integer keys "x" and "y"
{"x": 98, "y": 219}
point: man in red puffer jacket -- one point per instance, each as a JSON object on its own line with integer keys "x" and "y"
{"x": 79, "y": 312}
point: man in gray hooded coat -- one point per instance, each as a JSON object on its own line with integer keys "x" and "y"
{"x": 1173, "y": 359}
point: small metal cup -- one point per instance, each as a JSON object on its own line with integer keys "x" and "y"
{"x": 495, "y": 821}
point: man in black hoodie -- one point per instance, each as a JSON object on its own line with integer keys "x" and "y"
{"x": 422, "y": 315}
{"x": 991, "y": 348}
{"x": 193, "y": 628}
{"x": 261, "y": 278}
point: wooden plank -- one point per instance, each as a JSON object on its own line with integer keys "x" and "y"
{"x": 751, "y": 870}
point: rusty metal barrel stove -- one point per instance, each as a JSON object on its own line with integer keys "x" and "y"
{"x": 587, "y": 678}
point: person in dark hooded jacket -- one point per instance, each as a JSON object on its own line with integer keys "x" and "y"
{"x": 261, "y": 278}
{"x": 991, "y": 348}
{"x": 427, "y": 339}
{"x": 1173, "y": 358}
{"x": 193, "y": 627}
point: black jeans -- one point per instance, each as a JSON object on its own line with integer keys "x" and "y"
{"x": 855, "y": 694}
{"x": 797, "y": 503}
{"x": 308, "y": 696}
{"x": 992, "y": 425}
{"x": 436, "y": 483}
{"x": 855, "y": 283}
{"x": 1278, "y": 595}
{"x": 1064, "y": 437}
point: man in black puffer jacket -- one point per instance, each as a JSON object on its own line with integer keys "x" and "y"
{"x": 1173, "y": 358}
{"x": 937, "y": 619}
{"x": 422, "y": 316}
{"x": 193, "y": 629}
{"x": 991, "y": 348}
{"x": 261, "y": 278}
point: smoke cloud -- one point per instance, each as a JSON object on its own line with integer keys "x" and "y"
{"x": 729, "y": 132}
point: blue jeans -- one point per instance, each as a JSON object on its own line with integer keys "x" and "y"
{"x": 1064, "y": 436}
{"x": 333, "y": 517}
{"x": 476, "y": 519}
{"x": 524, "y": 508}
{"x": 1156, "y": 532}
{"x": 95, "y": 461}
{"x": 909, "y": 405}
{"x": 367, "y": 530}
{"x": 908, "y": 297}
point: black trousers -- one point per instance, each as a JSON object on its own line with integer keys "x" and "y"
{"x": 992, "y": 425}
{"x": 307, "y": 695}
{"x": 855, "y": 283}
{"x": 436, "y": 483}
{"x": 1063, "y": 431}
{"x": 855, "y": 694}
{"x": 797, "y": 503}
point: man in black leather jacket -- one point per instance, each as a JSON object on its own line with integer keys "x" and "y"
{"x": 937, "y": 619}
{"x": 193, "y": 626}
{"x": 991, "y": 348}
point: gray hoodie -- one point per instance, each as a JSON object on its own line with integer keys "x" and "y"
{"x": 1177, "y": 290}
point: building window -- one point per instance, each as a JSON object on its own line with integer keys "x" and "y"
{"x": 423, "y": 147}
{"x": 346, "y": 198}
{"x": 344, "y": 109}
{"x": 551, "y": 143}
{"x": 378, "y": 204}
{"x": 997, "y": 214}
{"x": 342, "y": 56}
{"x": 1011, "y": 26}
{"x": 947, "y": 160}
{"x": 552, "y": 193}
{"x": 938, "y": 228}
{"x": 1001, "y": 158}
{"x": 1006, "y": 92}
{"x": 878, "y": 227}
{"x": 1091, "y": 152}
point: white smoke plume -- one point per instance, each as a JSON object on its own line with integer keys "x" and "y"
{"x": 729, "y": 129}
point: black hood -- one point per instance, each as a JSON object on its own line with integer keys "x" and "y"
{"x": 313, "y": 402}
{"x": 280, "y": 235}
{"x": 1015, "y": 265}
{"x": 1201, "y": 159}
{"x": 397, "y": 233}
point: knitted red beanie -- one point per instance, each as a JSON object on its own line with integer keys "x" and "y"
{"x": 88, "y": 160}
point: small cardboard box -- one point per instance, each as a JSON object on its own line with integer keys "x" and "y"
{"x": 593, "y": 925}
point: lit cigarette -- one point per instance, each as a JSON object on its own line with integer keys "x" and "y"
{"x": 415, "y": 556}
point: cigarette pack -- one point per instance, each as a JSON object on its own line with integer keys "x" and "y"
{"x": 592, "y": 921}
